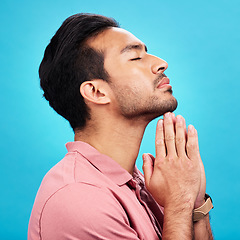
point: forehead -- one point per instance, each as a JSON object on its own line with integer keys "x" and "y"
{"x": 113, "y": 40}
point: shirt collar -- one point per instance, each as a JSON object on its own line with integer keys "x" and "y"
{"x": 102, "y": 162}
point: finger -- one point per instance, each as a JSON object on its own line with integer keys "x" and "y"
{"x": 203, "y": 176}
{"x": 169, "y": 134}
{"x": 173, "y": 117}
{"x": 192, "y": 143}
{"x": 152, "y": 157}
{"x": 147, "y": 167}
{"x": 180, "y": 136}
{"x": 159, "y": 141}
{"x": 185, "y": 129}
{"x": 174, "y": 120}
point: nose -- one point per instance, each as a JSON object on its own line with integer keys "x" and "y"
{"x": 159, "y": 65}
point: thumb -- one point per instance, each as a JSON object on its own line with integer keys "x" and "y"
{"x": 147, "y": 167}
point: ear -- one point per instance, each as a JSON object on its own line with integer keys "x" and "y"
{"x": 95, "y": 91}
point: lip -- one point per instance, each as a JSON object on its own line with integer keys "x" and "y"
{"x": 164, "y": 83}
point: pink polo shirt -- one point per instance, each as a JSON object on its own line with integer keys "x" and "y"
{"x": 88, "y": 195}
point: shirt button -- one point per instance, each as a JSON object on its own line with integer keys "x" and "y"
{"x": 132, "y": 183}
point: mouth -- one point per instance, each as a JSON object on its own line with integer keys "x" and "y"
{"x": 165, "y": 82}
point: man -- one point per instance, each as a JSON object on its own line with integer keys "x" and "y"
{"x": 102, "y": 80}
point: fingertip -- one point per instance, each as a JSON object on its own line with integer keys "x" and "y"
{"x": 191, "y": 129}
{"x": 160, "y": 123}
{"x": 145, "y": 161}
{"x": 144, "y": 156}
{"x": 179, "y": 119}
{"x": 179, "y": 116}
{"x": 167, "y": 115}
{"x": 151, "y": 156}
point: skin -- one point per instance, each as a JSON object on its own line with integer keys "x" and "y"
{"x": 120, "y": 111}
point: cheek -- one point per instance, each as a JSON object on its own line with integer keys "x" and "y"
{"x": 135, "y": 77}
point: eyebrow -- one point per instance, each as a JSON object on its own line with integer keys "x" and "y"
{"x": 131, "y": 47}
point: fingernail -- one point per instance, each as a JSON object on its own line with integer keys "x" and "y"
{"x": 179, "y": 119}
{"x": 167, "y": 115}
{"x": 145, "y": 157}
{"x": 160, "y": 123}
{"x": 191, "y": 128}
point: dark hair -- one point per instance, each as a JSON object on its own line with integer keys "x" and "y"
{"x": 68, "y": 62}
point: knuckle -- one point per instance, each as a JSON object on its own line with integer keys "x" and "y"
{"x": 170, "y": 158}
{"x": 160, "y": 142}
{"x": 179, "y": 140}
{"x": 169, "y": 137}
{"x": 158, "y": 164}
{"x": 181, "y": 159}
{"x": 192, "y": 144}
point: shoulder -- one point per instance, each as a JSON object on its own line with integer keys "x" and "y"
{"x": 83, "y": 195}
{"x": 83, "y": 210}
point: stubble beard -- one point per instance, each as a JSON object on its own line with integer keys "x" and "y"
{"x": 132, "y": 107}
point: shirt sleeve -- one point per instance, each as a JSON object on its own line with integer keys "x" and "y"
{"x": 83, "y": 211}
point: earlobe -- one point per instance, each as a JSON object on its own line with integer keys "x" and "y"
{"x": 95, "y": 91}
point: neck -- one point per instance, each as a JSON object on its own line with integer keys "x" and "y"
{"x": 119, "y": 140}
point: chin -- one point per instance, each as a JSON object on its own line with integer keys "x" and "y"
{"x": 160, "y": 112}
{"x": 169, "y": 106}
{"x": 173, "y": 105}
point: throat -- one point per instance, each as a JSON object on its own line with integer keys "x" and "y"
{"x": 121, "y": 143}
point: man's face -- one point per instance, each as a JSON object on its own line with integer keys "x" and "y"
{"x": 139, "y": 85}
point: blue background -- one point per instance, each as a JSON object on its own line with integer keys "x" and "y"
{"x": 200, "y": 40}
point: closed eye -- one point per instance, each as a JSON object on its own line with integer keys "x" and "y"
{"x": 134, "y": 59}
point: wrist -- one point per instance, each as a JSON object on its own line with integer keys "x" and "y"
{"x": 203, "y": 210}
{"x": 179, "y": 207}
